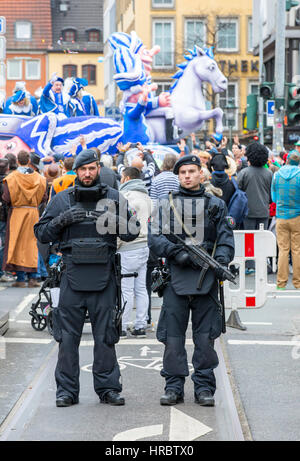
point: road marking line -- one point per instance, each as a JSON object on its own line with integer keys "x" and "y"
{"x": 26, "y": 340}
{"x": 136, "y": 342}
{"x": 129, "y": 342}
{"x": 21, "y": 321}
{"x": 23, "y": 304}
{"x": 262, "y": 343}
{"x": 257, "y": 323}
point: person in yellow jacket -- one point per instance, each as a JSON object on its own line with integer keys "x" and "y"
{"x": 66, "y": 180}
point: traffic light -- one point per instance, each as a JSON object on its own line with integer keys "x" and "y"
{"x": 293, "y": 105}
{"x": 252, "y": 107}
{"x": 289, "y": 4}
{"x": 266, "y": 90}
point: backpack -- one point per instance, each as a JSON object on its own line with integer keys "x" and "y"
{"x": 238, "y": 205}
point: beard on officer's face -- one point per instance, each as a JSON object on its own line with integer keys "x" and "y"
{"x": 86, "y": 182}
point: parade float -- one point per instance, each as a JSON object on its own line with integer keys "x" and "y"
{"x": 147, "y": 118}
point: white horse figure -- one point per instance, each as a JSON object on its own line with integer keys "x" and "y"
{"x": 187, "y": 100}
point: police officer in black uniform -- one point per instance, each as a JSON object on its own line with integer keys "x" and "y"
{"x": 87, "y": 219}
{"x": 182, "y": 294}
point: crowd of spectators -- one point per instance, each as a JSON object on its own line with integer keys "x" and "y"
{"x": 271, "y": 184}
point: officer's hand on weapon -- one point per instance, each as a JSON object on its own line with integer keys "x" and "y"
{"x": 183, "y": 259}
{"x": 69, "y": 217}
{"x": 220, "y": 274}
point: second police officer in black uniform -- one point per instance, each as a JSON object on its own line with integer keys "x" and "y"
{"x": 182, "y": 294}
{"x": 88, "y": 245}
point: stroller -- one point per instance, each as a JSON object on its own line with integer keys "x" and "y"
{"x": 41, "y": 310}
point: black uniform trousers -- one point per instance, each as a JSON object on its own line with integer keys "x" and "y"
{"x": 68, "y": 321}
{"x": 206, "y": 326}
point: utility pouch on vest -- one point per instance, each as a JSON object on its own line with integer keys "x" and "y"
{"x": 89, "y": 252}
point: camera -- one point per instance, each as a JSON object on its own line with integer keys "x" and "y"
{"x": 160, "y": 278}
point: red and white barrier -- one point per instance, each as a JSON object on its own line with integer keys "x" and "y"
{"x": 256, "y": 246}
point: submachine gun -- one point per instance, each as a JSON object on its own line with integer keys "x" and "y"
{"x": 120, "y": 305}
{"x": 204, "y": 261}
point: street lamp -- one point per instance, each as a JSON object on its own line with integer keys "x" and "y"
{"x": 230, "y": 109}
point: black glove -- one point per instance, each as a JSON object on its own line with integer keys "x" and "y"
{"x": 219, "y": 272}
{"x": 69, "y": 217}
{"x": 183, "y": 259}
{"x": 95, "y": 214}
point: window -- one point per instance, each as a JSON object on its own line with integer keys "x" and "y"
{"x": 162, "y": 86}
{"x": 89, "y": 73}
{"x": 163, "y": 35}
{"x": 254, "y": 88}
{"x": 194, "y": 33}
{"x": 69, "y": 35}
{"x": 32, "y": 69}
{"x": 162, "y": 3}
{"x": 230, "y": 96}
{"x": 69, "y": 71}
{"x": 14, "y": 69}
{"x": 23, "y": 30}
{"x": 250, "y": 34}
{"x": 93, "y": 35}
{"x": 227, "y": 34}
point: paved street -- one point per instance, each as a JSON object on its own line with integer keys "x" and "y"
{"x": 260, "y": 384}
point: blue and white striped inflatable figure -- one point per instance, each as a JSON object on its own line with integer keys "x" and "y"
{"x": 46, "y": 134}
{"x": 121, "y": 39}
{"x": 129, "y": 68}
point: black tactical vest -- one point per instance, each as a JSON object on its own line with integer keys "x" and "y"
{"x": 89, "y": 256}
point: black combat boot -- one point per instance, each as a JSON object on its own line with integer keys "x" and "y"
{"x": 65, "y": 401}
{"x": 171, "y": 398}
{"x": 113, "y": 398}
{"x": 205, "y": 398}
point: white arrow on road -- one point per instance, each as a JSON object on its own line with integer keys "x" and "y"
{"x": 145, "y": 350}
{"x": 193, "y": 429}
{"x": 138, "y": 433}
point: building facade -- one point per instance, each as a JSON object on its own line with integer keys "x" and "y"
{"x": 109, "y": 20}
{"x": 77, "y": 46}
{"x": 177, "y": 25}
{"x": 265, "y": 14}
{"x": 264, "y": 17}
{"x": 48, "y": 36}
{"x": 28, "y": 39}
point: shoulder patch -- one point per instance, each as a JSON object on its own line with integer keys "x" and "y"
{"x": 230, "y": 222}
